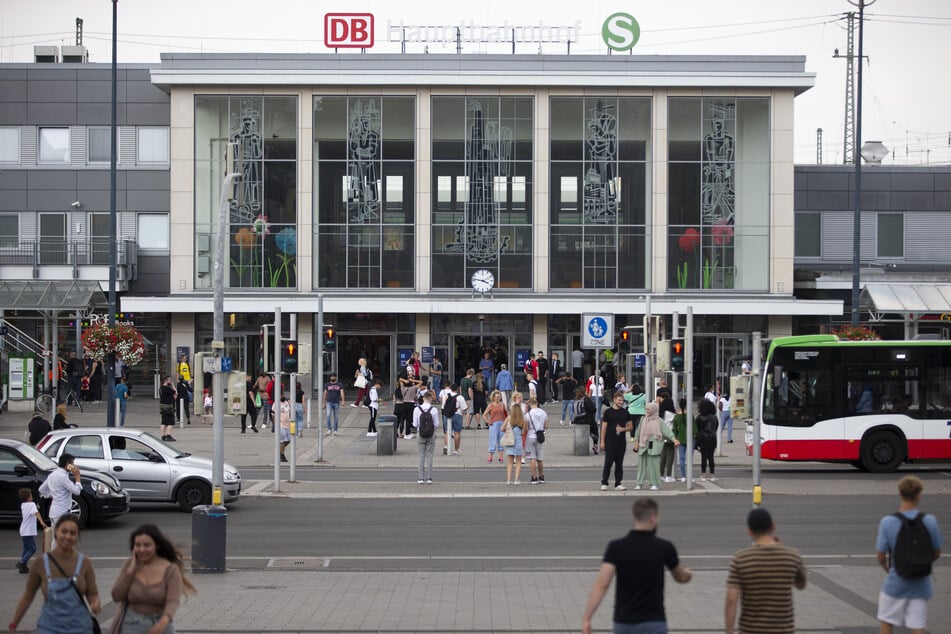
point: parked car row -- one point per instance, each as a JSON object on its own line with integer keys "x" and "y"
{"x": 118, "y": 464}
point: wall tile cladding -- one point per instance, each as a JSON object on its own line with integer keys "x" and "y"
{"x": 825, "y": 188}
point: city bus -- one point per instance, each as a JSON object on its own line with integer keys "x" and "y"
{"x": 873, "y": 404}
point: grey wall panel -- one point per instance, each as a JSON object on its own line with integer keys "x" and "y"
{"x": 12, "y": 179}
{"x": 94, "y": 113}
{"x": 873, "y": 200}
{"x": 51, "y": 72}
{"x": 824, "y": 200}
{"x": 153, "y": 278}
{"x": 42, "y": 90}
{"x": 912, "y": 181}
{"x": 158, "y": 180}
{"x": 928, "y": 237}
{"x": 92, "y": 179}
{"x": 148, "y": 200}
{"x": 913, "y": 200}
{"x": 148, "y": 113}
{"x": 142, "y": 91}
{"x": 51, "y": 179}
{"x": 13, "y": 113}
{"x": 942, "y": 201}
{"x": 942, "y": 181}
{"x": 828, "y": 181}
{"x": 52, "y": 114}
{"x": 94, "y": 199}
{"x": 94, "y": 91}
{"x": 13, "y": 90}
{"x": 50, "y": 199}
{"x": 13, "y": 199}
{"x": 873, "y": 180}
{"x": 8, "y": 72}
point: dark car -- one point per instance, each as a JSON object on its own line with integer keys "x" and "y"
{"x": 22, "y": 466}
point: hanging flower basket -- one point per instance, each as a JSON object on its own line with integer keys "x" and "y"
{"x": 125, "y": 341}
{"x": 856, "y": 333}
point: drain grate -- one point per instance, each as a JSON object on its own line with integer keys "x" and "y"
{"x": 298, "y": 563}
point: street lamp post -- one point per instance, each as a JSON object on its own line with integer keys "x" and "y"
{"x": 857, "y": 212}
{"x": 111, "y": 358}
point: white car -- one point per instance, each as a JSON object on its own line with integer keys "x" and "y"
{"x": 149, "y": 469}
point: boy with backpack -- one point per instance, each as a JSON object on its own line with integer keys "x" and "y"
{"x": 908, "y": 542}
{"x": 452, "y": 408}
{"x": 425, "y": 420}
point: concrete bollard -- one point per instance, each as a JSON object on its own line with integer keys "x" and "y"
{"x": 386, "y": 435}
{"x": 582, "y": 440}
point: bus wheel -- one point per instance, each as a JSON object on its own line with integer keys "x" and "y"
{"x": 881, "y": 452}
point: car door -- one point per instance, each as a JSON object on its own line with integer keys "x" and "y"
{"x": 144, "y": 473}
{"x": 88, "y": 451}
{"x": 15, "y": 474}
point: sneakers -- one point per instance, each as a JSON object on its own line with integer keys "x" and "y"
{"x": 419, "y": 482}
{"x": 508, "y": 482}
{"x": 500, "y": 461}
{"x": 703, "y": 478}
{"x": 254, "y": 429}
{"x": 371, "y": 434}
{"x": 328, "y": 432}
{"x": 534, "y": 480}
{"x": 335, "y": 432}
{"x": 283, "y": 458}
{"x": 730, "y": 441}
{"x": 445, "y": 451}
{"x": 683, "y": 479}
{"x": 23, "y": 568}
{"x": 169, "y": 438}
{"x": 595, "y": 450}
{"x": 455, "y": 453}
{"x": 541, "y": 479}
{"x": 638, "y": 487}
{"x": 354, "y": 405}
{"x": 604, "y": 487}
{"x": 654, "y": 487}
{"x": 562, "y": 422}
{"x": 429, "y": 481}
{"x": 712, "y": 479}
{"x": 490, "y": 459}
{"x": 620, "y": 487}
{"x": 516, "y": 482}
{"x": 408, "y": 437}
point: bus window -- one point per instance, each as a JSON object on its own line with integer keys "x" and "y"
{"x": 936, "y": 388}
{"x": 798, "y": 397}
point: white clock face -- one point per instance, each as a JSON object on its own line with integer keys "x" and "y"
{"x": 483, "y": 281}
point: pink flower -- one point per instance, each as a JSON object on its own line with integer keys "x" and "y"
{"x": 689, "y": 241}
{"x": 722, "y": 233}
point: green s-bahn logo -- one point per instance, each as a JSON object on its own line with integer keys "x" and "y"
{"x": 620, "y": 31}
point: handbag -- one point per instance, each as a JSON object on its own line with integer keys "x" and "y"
{"x": 508, "y": 439}
{"x": 361, "y": 381}
{"x": 166, "y": 408}
{"x": 257, "y": 399}
{"x": 118, "y": 619}
{"x": 95, "y": 622}
{"x": 539, "y": 435}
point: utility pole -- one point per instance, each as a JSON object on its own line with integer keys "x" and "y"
{"x": 857, "y": 212}
{"x": 848, "y": 134}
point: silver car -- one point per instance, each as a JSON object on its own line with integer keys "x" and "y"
{"x": 149, "y": 469}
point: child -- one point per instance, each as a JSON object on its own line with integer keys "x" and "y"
{"x": 207, "y": 402}
{"x": 84, "y": 388}
{"x": 374, "y": 406}
{"x": 30, "y": 516}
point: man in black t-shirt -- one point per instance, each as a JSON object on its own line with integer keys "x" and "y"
{"x": 615, "y": 424}
{"x": 638, "y": 560}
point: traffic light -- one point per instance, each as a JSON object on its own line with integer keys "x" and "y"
{"x": 289, "y": 357}
{"x": 264, "y": 349}
{"x": 624, "y": 346}
{"x": 330, "y": 338}
{"x": 677, "y": 355}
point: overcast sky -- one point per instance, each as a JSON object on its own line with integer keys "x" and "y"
{"x": 907, "y": 91}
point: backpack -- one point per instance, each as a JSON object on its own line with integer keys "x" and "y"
{"x": 366, "y": 399}
{"x": 580, "y": 409}
{"x": 914, "y": 552}
{"x": 450, "y": 406}
{"x": 426, "y": 427}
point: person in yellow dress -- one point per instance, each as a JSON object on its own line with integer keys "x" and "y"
{"x": 183, "y": 370}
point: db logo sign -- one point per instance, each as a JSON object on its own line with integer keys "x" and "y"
{"x": 348, "y": 30}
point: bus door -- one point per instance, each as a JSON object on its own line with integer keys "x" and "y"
{"x": 803, "y": 410}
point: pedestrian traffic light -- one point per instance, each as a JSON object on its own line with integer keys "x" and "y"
{"x": 330, "y": 338}
{"x": 677, "y": 354}
{"x": 624, "y": 345}
{"x": 289, "y": 357}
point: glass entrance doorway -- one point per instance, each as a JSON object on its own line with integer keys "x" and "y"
{"x": 468, "y": 350}
{"x": 379, "y": 350}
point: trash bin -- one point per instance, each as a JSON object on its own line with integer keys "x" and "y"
{"x": 582, "y": 440}
{"x": 209, "y": 538}
{"x": 386, "y": 435}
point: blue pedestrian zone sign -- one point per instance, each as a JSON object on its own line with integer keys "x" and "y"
{"x": 640, "y": 360}
{"x": 597, "y": 331}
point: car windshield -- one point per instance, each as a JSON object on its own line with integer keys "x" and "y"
{"x": 39, "y": 459}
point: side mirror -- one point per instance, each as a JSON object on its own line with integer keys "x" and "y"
{"x": 21, "y": 470}
{"x": 154, "y": 457}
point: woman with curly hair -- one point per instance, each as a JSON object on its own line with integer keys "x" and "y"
{"x": 150, "y": 584}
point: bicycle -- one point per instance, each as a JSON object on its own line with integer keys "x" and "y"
{"x": 44, "y": 402}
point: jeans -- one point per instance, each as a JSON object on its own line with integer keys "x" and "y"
{"x": 647, "y": 627}
{"x": 667, "y": 460}
{"x": 436, "y": 382}
{"x": 29, "y": 548}
{"x": 597, "y": 407}
{"x": 495, "y": 436}
{"x": 613, "y": 455}
{"x": 426, "y": 447}
{"x": 682, "y": 451}
{"x": 122, "y": 407}
{"x": 299, "y": 418}
{"x": 135, "y": 622}
{"x": 333, "y": 411}
{"x": 567, "y": 410}
{"x": 727, "y": 421}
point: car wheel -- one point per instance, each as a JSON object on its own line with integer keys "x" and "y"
{"x": 80, "y": 508}
{"x": 193, "y": 493}
{"x": 882, "y": 452}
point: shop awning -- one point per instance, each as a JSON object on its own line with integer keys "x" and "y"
{"x": 50, "y": 295}
{"x": 908, "y": 301}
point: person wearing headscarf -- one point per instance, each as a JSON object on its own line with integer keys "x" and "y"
{"x": 649, "y": 445}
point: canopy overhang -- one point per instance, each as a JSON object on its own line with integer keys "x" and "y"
{"x": 910, "y": 302}
{"x": 50, "y": 295}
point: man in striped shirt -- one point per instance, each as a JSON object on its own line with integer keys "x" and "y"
{"x": 761, "y": 580}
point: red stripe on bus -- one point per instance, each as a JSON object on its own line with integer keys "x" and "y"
{"x": 927, "y": 449}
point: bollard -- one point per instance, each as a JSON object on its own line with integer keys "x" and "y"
{"x": 582, "y": 440}
{"x": 386, "y": 435}
{"x": 209, "y": 538}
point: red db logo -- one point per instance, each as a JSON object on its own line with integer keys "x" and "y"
{"x": 348, "y": 30}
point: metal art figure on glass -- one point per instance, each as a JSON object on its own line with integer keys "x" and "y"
{"x": 363, "y": 195}
{"x": 600, "y": 193}
{"x": 245, "y": 128}
{"x": 718, "y": 186}
{"x": 488, "y": 153}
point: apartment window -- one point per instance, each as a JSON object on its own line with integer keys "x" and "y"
{"x": 97, "y": 145}
{"x": 808, "y": 235}
{"x": 891, "y": 236}
{"x": 152, "y": 231}
{"x": 9, "y": 145}
{"x": 54, "y": 145}
{"x": 9, "y": 230}
{"x": 152, "y": 145}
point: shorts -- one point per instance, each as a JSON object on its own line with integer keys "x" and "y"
{"x": 456, "y": 423}
{"x": 534, "y": 450}
{"x": 470, "y": 407}
{"x": 911, "y": 613}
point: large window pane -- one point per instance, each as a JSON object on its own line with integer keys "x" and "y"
{"x": 54, "y": 145}
{"x": 9, "y": 230}
{"x": 151, "y": 145}
{"x": 891, "y": 236}
{"x": 152, "y": 231}
{"x": 808, "y": 235}
{"x": 9, "y": 145}
{"x": 97, "y": 145}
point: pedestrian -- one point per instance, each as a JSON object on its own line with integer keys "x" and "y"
{"x": 333, "y": 397}
{"x": 435, "y": 374}
{"x": 61, "y": 485}
{"x": 556, "y": 370}
{"x": 514, "y": 422}
{"x": 903, "y": 600}
{"x": 184, "y": 370}
{"x": 167, "y": 396}
{"x": 150, "y": 584}
{"x": 649, "y": 445}
{"x": 537, "y": 421}
{"x": 184, "y": 390}
{"x": 63, "y": 609}
{"x": 615, "y": 424}
{"x": 208, "y": 403}
{"x": 478, "y": 390}
{"x": 636, "y": 399}
{"x": 532, "y": 383}
{"x": 465, "y": 389}
{"x": 29, "y": 516}
{"x": 595, "y": 389}
{"x": 426, "y": 436}
{"x": 409, "y": 387}
{"x": 726, "y": 420}
{"x": 666, "y": 410}
{"x": 361, "y": 380}
{"x": 494, "y": 415}
{"x": 577, "y": 364}
{"x": 250, "y": 407}
{"x": 38, "y": 428}
{"x": 518, "y": 401}
{"x": 261, "y": 386}
{"x": 74, "y": 374}
{"x": 505, "y": 384}
{"x": 299, "y": 396}
{"x": 374, "y": 406}
{"x": 542, "y": 374}
{"x": 122, "y": 397}
{"x": 638, "y": 560}
{"x": 679, "y": 428}
{"x": 487, "y": 369}
{"x": 583, "y": 414}
{"x": 567, "y": 385}
{"x": 282, "y": 414}
{"x": 59, "y": 421}
{"x": 761, "y": 579}
{"x": 707, "y": 424}
{"x": 452, "y": 411}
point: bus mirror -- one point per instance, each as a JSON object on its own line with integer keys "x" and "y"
{"x": 777, "y": 375}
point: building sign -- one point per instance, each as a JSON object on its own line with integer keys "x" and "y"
{"x": 470, "y": 32}
{"x": 348, "y": 30}
{"x": 620, "y": 32}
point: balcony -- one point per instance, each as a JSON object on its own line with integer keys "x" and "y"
{"x": 50, "y": 259}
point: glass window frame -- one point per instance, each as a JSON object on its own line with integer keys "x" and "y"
{"x": 90, "y": 130}
{"x": 812, "y": 216}
{"x": 887, "y": 238}
{"x": 13, "y": 132}
{"x": 141, "y": 231}
{"x": 7, "y": 221}
{"x": 42, "y": 157}
{"x": 144, "y": 135}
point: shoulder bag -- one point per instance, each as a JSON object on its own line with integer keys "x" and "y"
{"x": 95, "y": 622}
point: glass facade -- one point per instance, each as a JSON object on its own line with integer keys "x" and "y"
{"x": 364, "y": 191}
{"x": 718, "y": 193}
{"x": 262, "y": 220}
{"x": 600, "y": 152}
{"x": 482, "y": 151}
